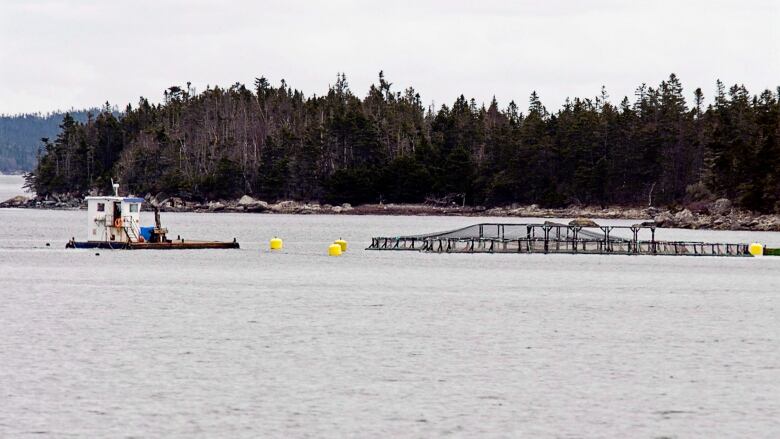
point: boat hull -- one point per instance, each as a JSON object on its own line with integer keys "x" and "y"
{"x": 174, "y": 245}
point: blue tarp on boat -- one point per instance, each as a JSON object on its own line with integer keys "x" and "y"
{"x": 146, "y": 232}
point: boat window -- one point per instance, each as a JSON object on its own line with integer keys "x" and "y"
{"x": 101, "y": 207}
{"x": 134, "y": 207}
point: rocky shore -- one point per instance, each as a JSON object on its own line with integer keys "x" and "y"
{"x": 717, "y": 215}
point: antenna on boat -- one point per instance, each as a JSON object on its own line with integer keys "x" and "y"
{"x": 116, "y": 187}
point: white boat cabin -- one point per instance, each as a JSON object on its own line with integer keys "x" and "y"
{"x": 113, "y": 219}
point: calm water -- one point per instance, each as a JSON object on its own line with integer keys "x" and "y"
{"x": 246, "y": 343}
{"x": 11, "y": 186}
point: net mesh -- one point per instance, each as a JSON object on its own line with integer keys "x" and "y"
{"x": 550, "y": 237}
{"x": 519, "y": 231}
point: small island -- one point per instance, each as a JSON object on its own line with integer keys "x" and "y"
{"x": 658, "y": 157}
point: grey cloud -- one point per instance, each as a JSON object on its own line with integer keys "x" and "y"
{"x": 62, "y": 54}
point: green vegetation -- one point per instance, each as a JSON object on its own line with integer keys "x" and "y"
{"x": 20, "y": 137}
{"x": 276, "y": 143}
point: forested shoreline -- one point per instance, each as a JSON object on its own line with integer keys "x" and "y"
{"x": 275, "y": 143}
{"x": 20, "y": 136}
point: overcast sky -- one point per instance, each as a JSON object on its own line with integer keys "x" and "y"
{"x": 81, "y": 53}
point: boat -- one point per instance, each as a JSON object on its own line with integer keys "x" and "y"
{"x": 114, "y": 223}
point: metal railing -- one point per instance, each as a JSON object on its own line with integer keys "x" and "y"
{"x": 131, "y": 229}
{"x": 554, "y": 238}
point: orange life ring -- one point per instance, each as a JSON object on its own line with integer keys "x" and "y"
{"x": 118, "y": 222}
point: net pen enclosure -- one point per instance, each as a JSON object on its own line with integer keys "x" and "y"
{"x": 114, "y": 222}
{"x": 551, "y": 237}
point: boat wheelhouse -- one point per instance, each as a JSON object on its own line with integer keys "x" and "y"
{"x": 114, "y": 219}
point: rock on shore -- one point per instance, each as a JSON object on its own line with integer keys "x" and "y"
{"x": 246, "y": 203}
{"x": 17, "y": 201}
{"x": 63, "y": 201}
{"x": 719, "y": 215}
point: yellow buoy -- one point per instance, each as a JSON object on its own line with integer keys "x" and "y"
{"x": 342, "y": 244}
{"x": 756, "y": 249}
{"x": 334, "y": 250}
{"x": 276, "y": 243}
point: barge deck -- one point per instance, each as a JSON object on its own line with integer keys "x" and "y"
{"x": 171, "y": 245}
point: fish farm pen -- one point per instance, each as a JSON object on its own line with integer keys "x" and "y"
{"x": 552, "y": 237}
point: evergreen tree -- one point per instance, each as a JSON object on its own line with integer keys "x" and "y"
{"x": 275, "y": 143}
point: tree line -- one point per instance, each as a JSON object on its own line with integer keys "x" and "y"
{"x": 274, "y": 142}
{"x": 20, "y": 136}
